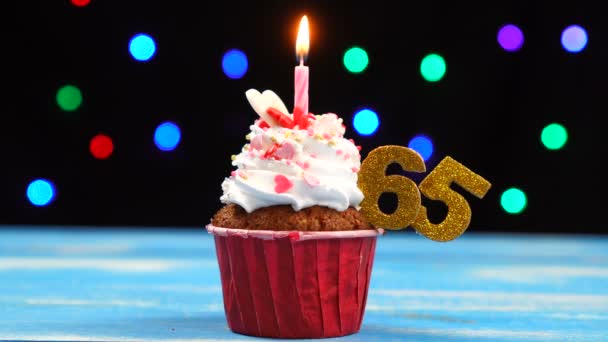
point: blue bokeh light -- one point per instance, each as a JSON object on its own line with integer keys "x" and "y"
{"x": 40, "y": 192}
{"x": 423, "y": 145}
{"x": 366, "y": 122}
{"x": 142, "y": 47}
{"x": 167, "y": 136}
{"x": 574, "y": 38}
{"x": 235, "y": 63}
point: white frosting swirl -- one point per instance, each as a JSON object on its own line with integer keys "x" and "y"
{"x": 298, "y": 167}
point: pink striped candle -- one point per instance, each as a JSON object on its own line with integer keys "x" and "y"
{"x": 301, "y": 75}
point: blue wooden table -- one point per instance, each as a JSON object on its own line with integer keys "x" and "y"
{"x": 164, "y": 285}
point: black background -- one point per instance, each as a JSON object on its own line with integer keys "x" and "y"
{"x": 487, "y": 112}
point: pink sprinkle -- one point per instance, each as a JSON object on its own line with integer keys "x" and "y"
{"x": 282, "y": 184}
{"x": 233, "y": 173}
{"x": 242, "y": 174}
{"x": 355, "y": 169}
{"x": 256, "y": 142}
{"x": 251, "y": 154}
{"x": 303, "y": 165}
{"x": 326, "y": 136}
{"x": 311, "y": 180}
{"x": 285, "y": 151}
{"x": 310, "y": 131}
{"x": 312, "y": 155}
{"x": 338, "y": 152}
{"x": 359, "y": 147}
{"x": 346, "y": 156}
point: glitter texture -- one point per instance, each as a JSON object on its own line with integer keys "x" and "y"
{"x": 436, "y": 186}
{"x": 373, "y": 181}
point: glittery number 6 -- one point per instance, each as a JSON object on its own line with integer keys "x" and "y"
{"x": 436, "y": 186}
{"x": 373, "y": 181}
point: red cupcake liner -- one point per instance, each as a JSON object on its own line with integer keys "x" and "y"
{"x": 294, "y": 284}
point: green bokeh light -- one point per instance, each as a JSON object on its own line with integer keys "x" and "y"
{"x": 513, "y": 201}
{"x": 355, "y": 59}
{"x": 554, "y": 136}
{"x": 433, "y": 67}
{"x": 69, "y": 98}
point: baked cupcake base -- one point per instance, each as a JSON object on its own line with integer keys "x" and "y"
{"x": 284, "y": 218}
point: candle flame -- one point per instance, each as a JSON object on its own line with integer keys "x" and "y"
{"x": 303, "y": 40}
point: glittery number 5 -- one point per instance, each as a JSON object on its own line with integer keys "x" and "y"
{"x": 436, "y": 186}
{"x": 373, "y": 182}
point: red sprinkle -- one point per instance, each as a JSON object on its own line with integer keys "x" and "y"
{"x": 270, "y": 151}
{"x": 263, "y": 124}
{"x": 233, "y": 173}
{"x": 280, "y": 117}
{"x": 359, "y": 147}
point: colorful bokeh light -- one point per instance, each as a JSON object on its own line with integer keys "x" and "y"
{"x": 574, "y": 38}
{"x": 366, "y": 122}
{"x": 235, "y": 64}
{"x": 510, "y": 38}
{"x": 355, "y": 60}
{"x": 101, "y": 146}
{"x": 554, "y": 136}
{"x": 513, "y": 201}
{"x": 80, "y": 3}
{"x": 142, "y": 47}
{"x": 167, "y": 136}
{"x": 40, "y": 192}
{"x": 433, "y": 67}
{"x": 423, "y": 145}
{"x": 69, "y": 98}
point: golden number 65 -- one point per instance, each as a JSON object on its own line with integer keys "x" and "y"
{"x": 373, "y": 181}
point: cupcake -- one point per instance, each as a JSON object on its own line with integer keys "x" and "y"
{"x": 295, "y": 254}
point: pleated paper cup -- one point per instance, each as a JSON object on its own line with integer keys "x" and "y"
{"x": 294, "y": 284}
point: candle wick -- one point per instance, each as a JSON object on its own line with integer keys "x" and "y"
{"x": 301, "y": 60}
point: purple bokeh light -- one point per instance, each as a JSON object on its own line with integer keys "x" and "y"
{"x": 510, "y": 38}
{"x": 574, "y": 38}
